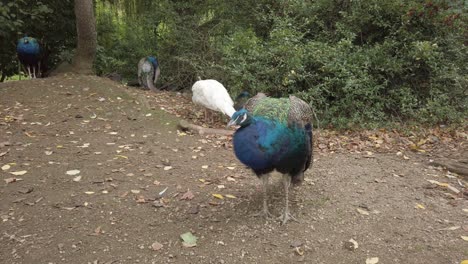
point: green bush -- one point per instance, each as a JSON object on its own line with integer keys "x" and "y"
{"x": 358, "y": 63}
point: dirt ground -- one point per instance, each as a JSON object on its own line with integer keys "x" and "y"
{"x": 95, "y": 172}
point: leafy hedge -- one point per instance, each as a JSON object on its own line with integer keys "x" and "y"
{"x": 359, "y": 63}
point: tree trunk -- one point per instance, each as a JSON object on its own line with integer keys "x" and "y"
{"x": 86, "y": 37}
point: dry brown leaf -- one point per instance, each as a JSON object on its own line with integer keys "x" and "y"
{"x": 13, "y": 179}
{"x": 156, "y": 246}
{"x": 187, "y": 196}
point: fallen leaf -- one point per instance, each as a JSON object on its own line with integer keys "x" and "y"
{"x": 230, "y": 196}
{"x": 217, "y": 195}
{"x": 204, "y": 167}
{"x": 464, "y": 261}
{"x": 141, "y": 199}
{"x": 450, "y": 228}
{"x": 10, "y": 180}
{"x": 77, "y": 178}
{"x": 355, "y": 243}
{"x": 189, "y": 240}
{"x": 89, "y": 192}
{"x": 230, "y": 168}
{"x": 48, "y": 152}
{"x": 433, "y": 181}
{"x": 373, "y": 260}
{"x": 299, "y": 251}
{"x": 73, "y": 172}
{"x": 187, "y": 196}
{"x": 156, "y": 246}
{"x": 420, "y": 206}
{"x": 464, "y": 238}
{"x": 135, "y": 191}
{"x": 453, "y": 189}
{"x": 98, "y": 230}
{"x": 6, "y": 167}
{"x": 167, "y": 168}
{"x": 361, "y": 211}
{"x": 18, "y": 173}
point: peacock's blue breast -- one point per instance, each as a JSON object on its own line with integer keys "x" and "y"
{"x": 266, "y": 144}
{"x": 31, "y": 47}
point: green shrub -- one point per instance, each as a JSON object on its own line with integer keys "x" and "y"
{"x": 358, "y": 63}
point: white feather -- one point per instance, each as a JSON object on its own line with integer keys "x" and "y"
{"x": 212, "y": 94}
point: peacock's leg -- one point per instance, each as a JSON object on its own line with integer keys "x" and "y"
{"x": 286, "y": 216}
{"x": 29, "y": 72}
{"x": 265, "y": 212}
{"x": 34, "y": 72}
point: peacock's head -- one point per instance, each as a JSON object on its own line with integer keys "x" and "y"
{"x": 153, "y": 60}
{"x": 240, "y": 118}
{"x": 242, "y": 95}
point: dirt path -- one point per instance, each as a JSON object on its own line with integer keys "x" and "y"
{"x": 115, "y": 210}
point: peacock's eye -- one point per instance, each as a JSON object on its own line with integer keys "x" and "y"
{"x": 244, "y": 117}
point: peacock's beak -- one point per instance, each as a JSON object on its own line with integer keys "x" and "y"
{"x": 231, "y": 123}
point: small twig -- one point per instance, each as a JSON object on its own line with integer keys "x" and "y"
{"x": 13, "y": 237}
{"x": 316, "y": 118}
{"x": 184, "y": 125}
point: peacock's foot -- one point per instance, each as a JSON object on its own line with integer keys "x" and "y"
{"x": 264, "y": 213}
{"x": 285, "y": 217}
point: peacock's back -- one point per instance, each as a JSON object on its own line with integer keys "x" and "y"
{"x": 290, "y": 110}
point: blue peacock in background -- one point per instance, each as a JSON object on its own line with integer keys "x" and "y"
{"x": 274, "y": 134}
{"x": 148, "y": 72}
{"x": 29, "y": 52}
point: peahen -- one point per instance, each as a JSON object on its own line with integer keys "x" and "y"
{"x": 274, "y": 134}
{"x": 211, "y": 94}
{"x": 29, "y": 52}
{"x": 148, "y": 72}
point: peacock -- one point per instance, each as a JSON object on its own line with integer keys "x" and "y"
{"x": 29, "y": 51}
{"x": 148, "y": 72}
{"x": 274, "y": 134}
{"x": 212, "y": 95}
{"x": 241, "y": 100}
